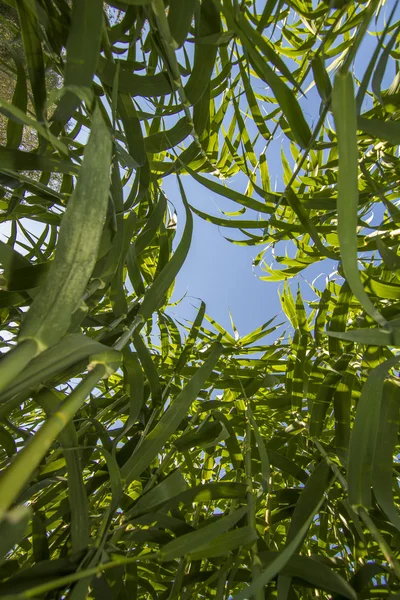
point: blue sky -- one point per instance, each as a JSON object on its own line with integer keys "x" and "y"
{"x": 221, "y": 273}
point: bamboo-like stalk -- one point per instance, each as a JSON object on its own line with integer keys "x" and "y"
{"x": 251, "y": 503}
{"x": 12, "y": 363}
{"x": 27, "y": 460}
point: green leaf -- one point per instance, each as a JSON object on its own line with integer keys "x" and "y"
{"x": 262, "y": 451}
{"x": 134, "y": 383}
{"x": 154, "y": 297}
{"x": 286, "y": 464}
{"x": 7, "y": 441}
{"x": 27, "y": 277}
{"x": 344, "y": 111}
{"x": 339, "y": 319}
{"x": 388, "y": 131}
{"x": 321, "y": 78}
{"x": 170, "y": 487}
{"x": 40, "y": 545}
{"x": 308, "y": 225}
{"x": 253, "y": 105}
{"x": 18, "y": 160}
{"x": 364, "y": 436}
{"x": 217, "y": 188}
{"x": 381, "y": 66}
{"x": 136, "y": 2}
{"x": 342, "y": 407}
{"x": 236, "y": 224}
{"x": 19, "y": 101}
{"x": 163, "y": 140}
{"x": 83, "y": 48}
{"x": 149, "y": 368}
{"x": 194, "y": 542}
{"x": 191, "y": 339}
{"x": 134, "y": 85}
{"x": 382, "y": 473}
{"x": 284, "y": 96}
{"x": 313, "y": 492}
{"x": 200, "y": 437}
{"x": 71, "y": 350}
{"x": 207, "y": 492}
{"x": 180, "y": 16}
{"x": 49, "y": 316}
{"x": 30, "y": 30}
{"x": 80, "y": 526}
{"x": 18, "y": 473}
{"x": 227, "y": 542}
{"x": 132, "y": 128}
{"x": 374, "y": 336}
{"x": 314, "y": 572}
{"x": 391, "y": 259}
{"x": 13, "y": 527}
{"x": 204, "y": 54}
{"x": 170, "y": 420}
{"x": 325, "y": 395}
{"x": 280, "y": 561}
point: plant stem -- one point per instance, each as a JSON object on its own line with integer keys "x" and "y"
{"x": 251, "y": 504}
{"x": 15, "y": 361}
{"x": 21, "y": 469}
{"x": 138, "y": 323}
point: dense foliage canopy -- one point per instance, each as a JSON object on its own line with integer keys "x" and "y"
{"x": 144, "y": 456}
